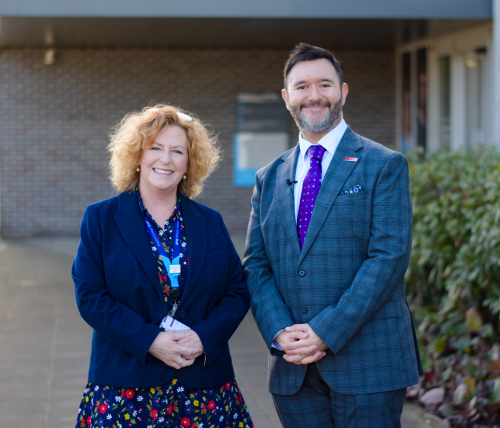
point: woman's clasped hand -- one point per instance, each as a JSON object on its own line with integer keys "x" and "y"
{"x": 177, "y": 349}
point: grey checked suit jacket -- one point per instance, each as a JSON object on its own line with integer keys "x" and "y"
{"x": 347, "y": 283}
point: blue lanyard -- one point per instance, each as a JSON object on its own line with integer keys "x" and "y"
{"x": 173, "y": 267}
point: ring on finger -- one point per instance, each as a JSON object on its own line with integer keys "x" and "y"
{"x": 179, "y": 360}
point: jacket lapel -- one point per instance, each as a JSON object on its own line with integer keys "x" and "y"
{"x": 284, "y": 196}
{"x": 130, "y": 223}
{"x": 338, "y": 172}
{"x": 197, "y": 239}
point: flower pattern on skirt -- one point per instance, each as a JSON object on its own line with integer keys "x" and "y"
{"x": 166, "y": 406}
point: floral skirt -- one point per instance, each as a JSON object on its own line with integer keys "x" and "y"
{"x": 166, "y": 406}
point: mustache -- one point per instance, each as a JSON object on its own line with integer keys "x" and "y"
{"x": 317, "y": 104}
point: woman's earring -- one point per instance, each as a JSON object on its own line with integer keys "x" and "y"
{"x": 138, "y": 169}
{"x": 184, "y": 176}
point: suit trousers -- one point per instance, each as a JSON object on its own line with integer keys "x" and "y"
{"x": 316, "y": 404}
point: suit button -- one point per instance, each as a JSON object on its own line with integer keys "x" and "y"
{"x": 182, "y": 314}
{"x": 302, "y": 273}
{"x": 304, "y": 310}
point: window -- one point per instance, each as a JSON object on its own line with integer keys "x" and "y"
{"x": 444, "y": 102}
{"x": 407, "y": 142}
{"x": 474, "y": 87}
{"x": 422, "y": 98}
{"x": 414, "y": 100}
{"x": 444, "y": 94}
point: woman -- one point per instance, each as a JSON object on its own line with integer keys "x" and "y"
{"x": 157, "y": 277}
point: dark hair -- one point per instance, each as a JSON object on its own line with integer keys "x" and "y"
{"x": 306, "y": 52}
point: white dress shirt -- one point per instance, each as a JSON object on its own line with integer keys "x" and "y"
{"x": 330, "y": 142}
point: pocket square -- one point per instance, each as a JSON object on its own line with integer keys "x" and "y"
{"x": 356, "y": 189}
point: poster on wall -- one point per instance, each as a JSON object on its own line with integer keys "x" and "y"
{"x": 261, "y": 134}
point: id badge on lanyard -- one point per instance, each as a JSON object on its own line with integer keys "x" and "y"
{"x": 173, "y": 266}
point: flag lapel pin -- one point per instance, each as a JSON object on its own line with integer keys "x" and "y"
{"x": 351, "y": 159}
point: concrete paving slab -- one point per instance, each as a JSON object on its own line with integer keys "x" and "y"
{"x": 45, "y": 345}
{"x": 249, "y": 354}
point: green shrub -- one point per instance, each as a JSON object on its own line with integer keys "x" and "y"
{"x": 456, "y": 230}
{"x": 453, "y": 283}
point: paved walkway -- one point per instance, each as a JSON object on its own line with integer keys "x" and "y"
{"x": 45, "y": 345}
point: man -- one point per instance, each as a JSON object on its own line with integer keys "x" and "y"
{"x": 328, "y": 245}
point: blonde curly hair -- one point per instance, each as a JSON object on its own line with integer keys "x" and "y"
{"x": 137, "y": 131}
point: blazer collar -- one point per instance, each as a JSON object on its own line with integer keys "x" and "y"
{"x": 196, "y": 230}
{"x": 130, "y": 223}
{"x": 338, "y": 172}
{"x": 284, "y": 195}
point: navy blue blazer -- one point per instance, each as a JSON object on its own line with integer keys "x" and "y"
{"x": 119, "y": 295}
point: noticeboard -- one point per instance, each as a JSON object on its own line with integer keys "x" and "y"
{"x": 261, "y": 134}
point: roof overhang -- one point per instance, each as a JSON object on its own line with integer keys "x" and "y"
{"x": 257, "y": 33}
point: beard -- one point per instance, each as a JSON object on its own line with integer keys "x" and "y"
{"x": 317, "y": 125}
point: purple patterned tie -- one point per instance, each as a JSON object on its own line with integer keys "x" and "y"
{"x": 310, "y": 189}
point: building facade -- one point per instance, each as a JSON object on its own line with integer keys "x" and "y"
{"x": 419, "y": 75}
{"x": 445, "y": 90}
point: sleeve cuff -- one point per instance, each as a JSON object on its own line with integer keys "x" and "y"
{"x": 274, "y": 344}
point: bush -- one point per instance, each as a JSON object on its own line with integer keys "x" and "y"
{"x": 456, "y": 231}
{"x": 453, "y": 282}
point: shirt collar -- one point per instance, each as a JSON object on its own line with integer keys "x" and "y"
{"x": 177, "y": 210}
{"x": 329, "y": 141}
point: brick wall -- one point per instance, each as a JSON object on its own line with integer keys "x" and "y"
{"x": 54, "y": 120}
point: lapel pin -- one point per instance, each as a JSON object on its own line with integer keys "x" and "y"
{"x": 351, "y": 159}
